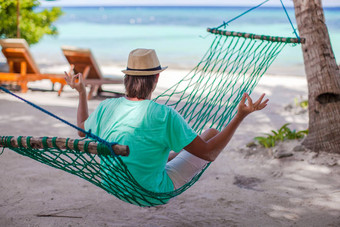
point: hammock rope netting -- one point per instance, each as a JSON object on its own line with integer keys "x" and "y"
{"x": 207, "y": 97}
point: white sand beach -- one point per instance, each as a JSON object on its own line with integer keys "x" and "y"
{"x": 243, "y": 187}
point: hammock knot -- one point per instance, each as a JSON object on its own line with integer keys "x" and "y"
{"x": 88, "y": 134}
{"x": 110, "y": 145}
{"x": 6, "y": 141}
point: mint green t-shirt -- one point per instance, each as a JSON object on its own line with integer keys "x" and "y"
{"x": 151, "y": 131}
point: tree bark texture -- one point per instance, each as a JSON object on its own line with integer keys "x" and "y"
{"x": 323, "y": 78}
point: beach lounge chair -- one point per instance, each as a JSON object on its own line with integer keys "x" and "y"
{"x": 22, "y": 67}
{"x": 83, "y": 61}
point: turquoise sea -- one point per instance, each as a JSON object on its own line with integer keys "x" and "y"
{"x": 177, "y": 33}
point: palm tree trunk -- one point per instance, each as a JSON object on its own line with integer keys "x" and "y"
{"x": 323, "y": 78}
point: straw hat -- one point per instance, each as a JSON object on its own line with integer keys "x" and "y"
{"x": 143, "y": 62}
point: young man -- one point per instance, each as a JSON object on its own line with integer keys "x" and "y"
{"x": 152, "y": 130}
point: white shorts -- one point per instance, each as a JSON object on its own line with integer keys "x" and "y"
{"x": 184, "y": 167}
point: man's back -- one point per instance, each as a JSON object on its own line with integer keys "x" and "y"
{"x": 149, "y": 129}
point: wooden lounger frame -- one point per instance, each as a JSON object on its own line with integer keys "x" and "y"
{"x": 83, "y": 61}
{"x": 22, "y": 67}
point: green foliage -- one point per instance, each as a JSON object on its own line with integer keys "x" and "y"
{"x": 33, "y": 25}
{"x": 303, "y": 104}
{"x": 284, "y": 133}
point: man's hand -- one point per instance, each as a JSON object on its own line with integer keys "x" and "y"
{"x": 244, "y": 109}
{"x": 75, "y": 82}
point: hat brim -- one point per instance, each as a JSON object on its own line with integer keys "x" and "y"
{"x": 143, "y": 73}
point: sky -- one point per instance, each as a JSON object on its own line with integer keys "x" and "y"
{"x": 287, "y": 3}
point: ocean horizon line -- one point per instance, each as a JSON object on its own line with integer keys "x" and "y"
{"x": 181, "y": 6}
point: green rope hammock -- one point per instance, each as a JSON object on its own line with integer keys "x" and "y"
{"x": 206, "y": 97}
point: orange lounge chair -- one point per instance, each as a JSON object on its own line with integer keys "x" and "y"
{"x": 22, "y": 67}
{"x": 83, "y": 61}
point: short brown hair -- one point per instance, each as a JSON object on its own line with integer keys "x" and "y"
{"x": 139, "y": 86}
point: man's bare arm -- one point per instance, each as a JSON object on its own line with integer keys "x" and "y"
{"x": 209, "y": 150}
{"x": 76, "y": 82}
